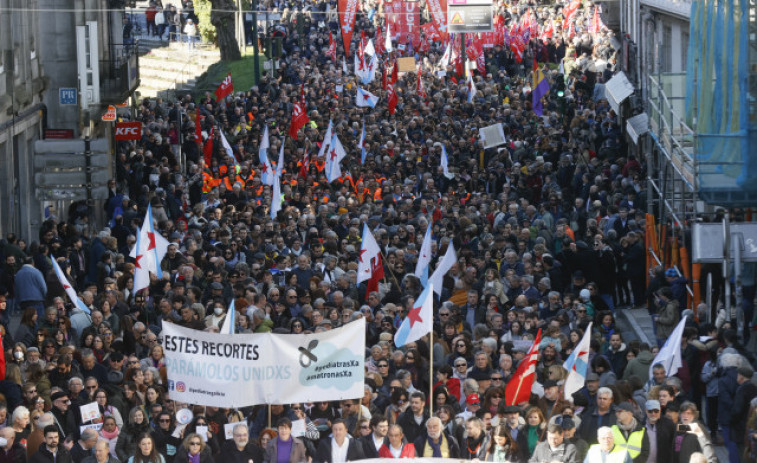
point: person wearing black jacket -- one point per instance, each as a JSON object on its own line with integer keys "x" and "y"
{"x": 241, "y": 450}
{"x": 12, "y": 451}
{"x": 165, "y": 441}
{"x": 413, "y": 420}
{"x": 435, "y": 442}
{"x": 83, "y": 447}
{"x": 373, "y": 441}
{"x": 64, "y": 416}
{"x": 326, "y": 450}
{"x": 660, "y": 430}
{"x": 51, "y": 451}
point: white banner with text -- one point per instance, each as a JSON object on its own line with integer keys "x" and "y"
{"x": 239, "y": 370}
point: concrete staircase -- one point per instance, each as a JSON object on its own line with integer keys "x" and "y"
{"x": 166, "y": 68}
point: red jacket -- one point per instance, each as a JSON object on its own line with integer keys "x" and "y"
{"x": 408, "y": 451}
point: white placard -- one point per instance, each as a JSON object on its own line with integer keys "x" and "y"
{"x": 89, "y": 412}
{"x": 228, "y": 430}
{"x": 298, "y": 428}
{"x": 240, "y": 370}
{"x": 95, "y": 426}
{"x": 493, "y": 135}
{"x": 202, "y": 431}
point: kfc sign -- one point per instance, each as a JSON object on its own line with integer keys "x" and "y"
{"x": 128, "y": 131}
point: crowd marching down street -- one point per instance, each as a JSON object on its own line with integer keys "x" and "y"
{"x": 472, "y": 200}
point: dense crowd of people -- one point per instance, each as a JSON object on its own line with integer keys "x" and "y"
{"x": 549, "y": 234}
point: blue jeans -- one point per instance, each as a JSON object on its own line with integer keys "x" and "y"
{"x": 191, "y": 41}
{"x": 608, "y": 299}
{"x": 730, "y": 445}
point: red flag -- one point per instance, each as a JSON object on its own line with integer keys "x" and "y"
{"x": 377, "y": 274}
{"x": 571, "y": 8}
{"x": 305, "y": 165}
{"x": 225, "y": 88}
{"x": 395, "y": 72}
{"x": 347, "y": 10}
{"x": 207, "y": 150}
{"x": 518, "y": 390}
{"x": 383, "y": 79}
{"x": 393, "y": 99}
{"x": 420, "y": 89}
{"x": 198, "y": 127}
{"x": 379, "y": 46}
{"x": 331, "y": 52}
{"x": 299, "y": 115}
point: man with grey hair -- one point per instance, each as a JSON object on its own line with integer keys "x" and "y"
{"x": 12, "y": 450}
{"x": 435, "y": 442}
{"x": 83, "y": 447}
{"x": 240, "y": 449}
{"x": 605, "y": 449}
{"x": 602, "y": 415}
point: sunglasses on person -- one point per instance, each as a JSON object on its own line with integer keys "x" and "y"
{"x": 194, "y": 444}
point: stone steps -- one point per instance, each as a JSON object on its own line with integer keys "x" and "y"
{"x": 169, "y": 67}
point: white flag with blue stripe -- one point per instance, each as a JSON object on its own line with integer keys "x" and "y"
{"x": 230, "y": 321}
{"x": 424, "y": 257}
{"x": 577, "y": 365}
{"x": 70, "y": 291}
{"x": 419, "y": 320}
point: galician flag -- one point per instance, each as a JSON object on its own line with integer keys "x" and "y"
{"x": 424, "y": 257}
{"x": 148, "y": 253}
{"x": 70, "y": 292}
{"x": 276, "y": 197}
{"x": 670, "y": 354}
{"x": 229, "y": 323}
{"x": 363, "y": 153}
{"x": 280, "y": 162}
{"x": 266, "y": 170}
{"x": 227, "y": 148}
{"x": 335, "y": 154}
{"x": 577, "y": 365}
{"x": 445, "y": 163}
{"x": 419, "y": 321}
{"x": 370, "y": 253}
{"x": 364, "y": 98}
{"x": 437, "y": 278}
{"x": 326, "y": 140}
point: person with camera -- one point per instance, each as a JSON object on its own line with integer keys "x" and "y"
{"x": 691, "y": 436}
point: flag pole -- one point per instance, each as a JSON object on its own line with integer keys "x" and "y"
{"x": 431, "y": 373}
{"x": 383, "y": 258}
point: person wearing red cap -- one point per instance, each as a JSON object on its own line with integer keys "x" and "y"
{"x": 472, "y": 404}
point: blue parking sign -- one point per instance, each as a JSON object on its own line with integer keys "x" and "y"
{"x": 68, "y": 96}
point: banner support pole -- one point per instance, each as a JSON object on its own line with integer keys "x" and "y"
{"x": 431, "y": 373}
{"x": 269, "y": 415}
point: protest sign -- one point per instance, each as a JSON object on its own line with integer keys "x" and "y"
{"x": 239, "y": 370}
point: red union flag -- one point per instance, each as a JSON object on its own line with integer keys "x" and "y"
{"x": 347, "y": 11}
{"x": 438, "y": 9}
{"x": 518, "y": 390}
{"x": 331, "y": 52}
{"x": 299, "y": 115}
{"x": 225, "y": 88}
{"x": 128, "y": 131}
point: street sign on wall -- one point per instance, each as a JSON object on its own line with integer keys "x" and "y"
{"x": 67, "y": 96}
{"x": 469, "y": 16}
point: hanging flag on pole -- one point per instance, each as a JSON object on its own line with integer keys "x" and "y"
{"x": 347, "y": 10}
{"x": 227, "y": 148}
{"x": 419, "y": 87}
{"x": 577, "y": 365}
{"x": 670, "y": 354}
{"x": 335, "y": 154}
{"x": 331, "y": 52}
{"x": 419, "y": 321}
{"x": 539, "y": 88}
{"x": 225, "y": 88}
{"x": 469, "y": 82}
{"x": 437, "y": 278}
{"x": 70, "y": 291}
{"x": 424, "y": 257}
{"x": 518, "y": 390}
{"x": 369, "y": 253}
{"x": 364, "y": 99}
{"x": 363, "y": 153}
{"x": 393, "y": 99}
{"x": 445, "y": 164}
{"x": 299, "y": 115}
{"x": 229, "y": 322}
{"x": 266, "y": 170}
{"x": 276, "y": 197}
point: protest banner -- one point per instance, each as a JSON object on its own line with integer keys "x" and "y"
{"x": 239, "y": 370}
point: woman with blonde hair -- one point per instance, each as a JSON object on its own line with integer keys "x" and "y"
{"x": 194, "y": 450}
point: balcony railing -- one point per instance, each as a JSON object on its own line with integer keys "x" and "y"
{"x": 119, "y": 76}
